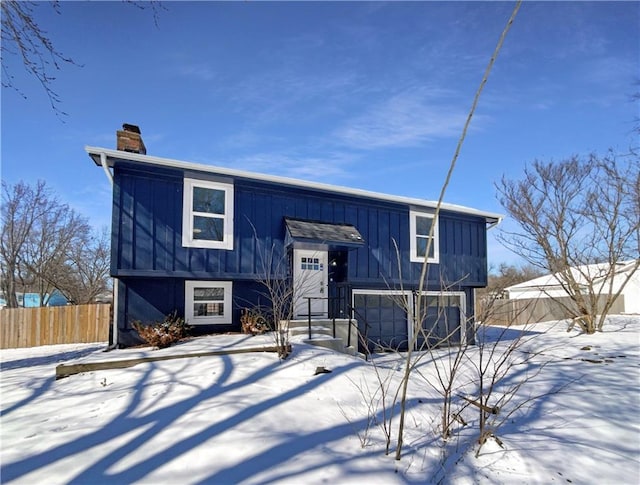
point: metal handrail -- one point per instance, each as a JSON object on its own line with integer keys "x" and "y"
{"x": 309, "y": 298}
{"x": 350, "y": 311}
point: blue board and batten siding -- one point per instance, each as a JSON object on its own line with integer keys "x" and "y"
{"x": 151, "y": 264}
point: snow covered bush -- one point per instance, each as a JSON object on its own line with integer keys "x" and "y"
{"x": 164, "y": 333}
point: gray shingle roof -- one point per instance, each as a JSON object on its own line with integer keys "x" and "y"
{"x": 323, "y": 232}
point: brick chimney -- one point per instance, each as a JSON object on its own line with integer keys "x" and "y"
{"x": 129, "y": 139}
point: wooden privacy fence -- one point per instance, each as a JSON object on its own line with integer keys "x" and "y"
{"x": 30, "y": 327}
{"x": 527, "y": 311}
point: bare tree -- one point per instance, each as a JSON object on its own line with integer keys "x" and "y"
{"x": 22, "y": 206}
{"x": 484, "y": 386}
{"x": 635, "y": 98}
{"x": 279, "y": 291}
{"x": 510, "y": 274}
{"x": 579, "y": 220}
{"x": 54, "y": 236}
{"x": 85, "y": 273}
{"x": 46, "y": 245}
{"x": 419, "y": 314}
{"x": 417, "y": 319}
{"x": 500, "y": 278}
{"x": 277, "y": 288}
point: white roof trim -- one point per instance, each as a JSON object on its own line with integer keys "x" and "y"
{"x": 555, "y": 281}
{"x": 95, "y": 152}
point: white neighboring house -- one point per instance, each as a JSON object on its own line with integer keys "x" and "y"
{"x": 549, "y": 286}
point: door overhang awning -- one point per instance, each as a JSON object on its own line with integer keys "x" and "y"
{"x": 305, "y": 233}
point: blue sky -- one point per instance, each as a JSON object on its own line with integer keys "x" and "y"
{"x": 366, "y": 95}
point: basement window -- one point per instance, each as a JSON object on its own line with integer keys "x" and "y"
{"x": 207, "y": 214}
{"x": 207, "y": 302}
{"x": 420, "y": 225}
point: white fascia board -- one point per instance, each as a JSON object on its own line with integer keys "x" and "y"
{"x": 112, "y": 155}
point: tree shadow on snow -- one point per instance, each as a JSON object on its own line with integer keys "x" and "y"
{"x": 44, "y": 385}
{"x": 566, "y": 403}
{"x": 144, "y": 427}
{"x": 41, "y": 386}
{"x": 492, "y": 334}
{"x": 50, "y": 359}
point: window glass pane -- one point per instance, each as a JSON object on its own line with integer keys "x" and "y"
{"x": 208, "y": 200}
{"x": 207, "y": 294}
{"x": 421, "y": 247}
{"x": 454, "y": 301}
{"x": 423, "y": 225}
{"x": 387, "y": 301}
{"x": 208, "y": 309}
{"x": 430, "y": 301}
{"x": 209, "y": 228}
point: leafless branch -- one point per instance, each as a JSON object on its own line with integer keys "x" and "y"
{"x": 24, "y": 37}
{"x": 578, "y": 219}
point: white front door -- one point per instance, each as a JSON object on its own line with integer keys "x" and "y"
{"x": 310, "y": 277}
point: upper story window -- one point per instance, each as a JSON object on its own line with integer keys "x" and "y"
{"x": 207, "y": 214}
{"x": 420, "y": 227}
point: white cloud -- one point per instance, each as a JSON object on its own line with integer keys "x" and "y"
{"x": 609, "y": 80}
{"x": 199, "y": 71}
{"x": 324, "y": 169}
{"x": 281, "y": 94}
{"x": 409, "y": 118}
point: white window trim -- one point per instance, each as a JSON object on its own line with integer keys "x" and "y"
{"x": 224, "y": 319}
{"x": 188, "y": 215}
{"x": 412, "y": 233}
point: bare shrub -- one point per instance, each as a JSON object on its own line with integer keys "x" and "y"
{"x": 505, "y": 364}
{"x": 500, "y": 369}
{"x": 447, "y": 365}
{"x": 170, "y": 330}
{"x": 254, "y": 321}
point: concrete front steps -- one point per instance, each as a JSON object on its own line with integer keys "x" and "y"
{"x": 322, "y": 334}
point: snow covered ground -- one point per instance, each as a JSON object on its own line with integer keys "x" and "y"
{"x": 249, "y": 418}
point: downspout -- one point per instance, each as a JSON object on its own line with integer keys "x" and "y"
{"x": 114, "y": 334}
{"x": 105, "y": 167}
{"x": 113, "y": 344}
{"x": 490, "y": 226}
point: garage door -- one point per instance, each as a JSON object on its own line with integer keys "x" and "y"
{"x": 443, "y": 321}
{"x": 381, "y": 320}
